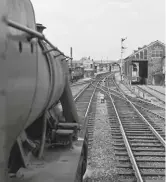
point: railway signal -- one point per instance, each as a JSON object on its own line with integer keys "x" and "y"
{"x": 122, "y": 48}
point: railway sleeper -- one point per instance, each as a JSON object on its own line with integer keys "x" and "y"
{"x": 139, "y": 140}
{"x": 141, "y": 160}
{"x": 138, "y": 134}
{"x": 146, "y": 145}
{"x": 142, "y": 137}
{"x": 160, "y": 173}
{"x": 135, "y": 129}
{"x": 145, "y": 141}
{"x": 136, "y": 154}
{"x": 141, "y": 149}
{"x": 139, "y": 145}
{"x": 141, "y": 166}
{"x": 138, "y": 131}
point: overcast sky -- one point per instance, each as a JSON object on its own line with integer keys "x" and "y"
{"x": 95, "y": 27}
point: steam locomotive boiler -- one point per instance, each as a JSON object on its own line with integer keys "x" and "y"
{"x": 33, "y": 81}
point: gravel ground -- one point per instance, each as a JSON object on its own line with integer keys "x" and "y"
{"x": 77, "y": 89}
{"x": 101, "y": 160}
{"x": 158, "y": 121}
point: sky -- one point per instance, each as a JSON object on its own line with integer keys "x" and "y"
{"x": 95, "y": 27}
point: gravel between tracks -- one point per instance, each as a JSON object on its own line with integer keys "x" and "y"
{"x": 101, "y": 159}
{"x": 77, "y": 89}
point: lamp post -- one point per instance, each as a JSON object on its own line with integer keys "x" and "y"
{"x": 122, "y": 48}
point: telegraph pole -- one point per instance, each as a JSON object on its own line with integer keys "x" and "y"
{"x": 122, "y": 48}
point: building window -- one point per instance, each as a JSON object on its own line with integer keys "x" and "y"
{"x": 141, "y": 55}
{"x": 157, "y": 53}
{"x": 137, "y": 56}
{"x": 145, "y": 54}
{"x": 134, "y": 67}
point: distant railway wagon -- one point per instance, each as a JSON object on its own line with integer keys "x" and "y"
{"x": 76, "y": 73}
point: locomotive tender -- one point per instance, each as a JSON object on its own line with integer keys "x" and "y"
{"x": 33, "y": 79}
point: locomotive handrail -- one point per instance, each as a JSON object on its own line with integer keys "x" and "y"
{"x": 18, "y": 26}
{"x": 32, "y": 32}
{"x": 49, "y": 50}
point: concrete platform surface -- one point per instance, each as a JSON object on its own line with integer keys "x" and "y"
{"x": 59, "y": 165}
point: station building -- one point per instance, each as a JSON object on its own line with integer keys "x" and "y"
{"x": 103, "y": 65}
{"x": 88, "y": 65}
{"x": 146, "y": 65}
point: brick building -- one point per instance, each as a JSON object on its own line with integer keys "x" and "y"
{"x": 88, "y": 65}
{"x": 146, "y": 64}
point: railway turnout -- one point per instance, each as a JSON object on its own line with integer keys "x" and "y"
{"x": 139, "y": 141}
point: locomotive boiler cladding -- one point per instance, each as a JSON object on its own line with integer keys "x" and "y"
{"x": 32, "y": 81}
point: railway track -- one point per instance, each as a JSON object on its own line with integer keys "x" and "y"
{"x": 139, "y": 143}
{"x": 153, "y": 94}
{"x": 156, "y": 90}
{"x": 144, "y": 99}
{"x": 155, "y": 112}
{"x": 156, "y": 109}
{"x": 84, "y": 101}
{"x": 151, "y": 108}
{"x": 80, "y": 83}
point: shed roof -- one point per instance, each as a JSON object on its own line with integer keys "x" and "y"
{"x": 145, "y": 47}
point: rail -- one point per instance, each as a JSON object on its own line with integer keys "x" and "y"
{"x": 150, "y": 126}
{"x": 150, "y": 94}
{"x": 133, "y": 161}
{"x": 143, "y": 108}
{"x": 155, "y": 90}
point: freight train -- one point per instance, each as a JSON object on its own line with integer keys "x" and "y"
{"x": 36, "y": 103}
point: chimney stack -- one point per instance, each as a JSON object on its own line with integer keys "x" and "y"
{"x": 40, "y": 27}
